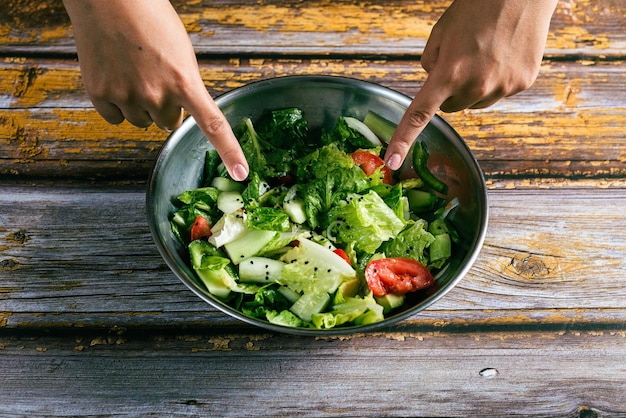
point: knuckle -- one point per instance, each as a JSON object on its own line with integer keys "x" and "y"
{"x": 418, "y": 118}
{"x": 525, "y": 83}
{"x": 214, "y": 127}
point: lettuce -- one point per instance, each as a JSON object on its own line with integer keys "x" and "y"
{"x": 312, "y": 267}
{"x": 286, "y": 127}
{"x": 270, "y": 219}
{"x": 345, "y": 137}
{"x": 357, "y": 310}
{"x": 318, "y": 163}
{"x": 327, "y": 175}
{"x": 411, "y": 242}
{"x": 285, "y": 318}
{"x": 266, "y": 300}
{"x": 262, "y": 156}
{"x": 366, "y": 220}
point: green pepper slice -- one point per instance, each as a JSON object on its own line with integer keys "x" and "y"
{"x": 420, "y": 164}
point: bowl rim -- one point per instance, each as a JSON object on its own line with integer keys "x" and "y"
{"x": 395, "y": 96}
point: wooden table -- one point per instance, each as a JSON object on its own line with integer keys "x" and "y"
{"x": 92, "y": 322}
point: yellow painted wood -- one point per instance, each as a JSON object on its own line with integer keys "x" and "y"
{"x": 570, "y": 124}
{"x": 92, "y": 321}
{"x": 587, "y": 27}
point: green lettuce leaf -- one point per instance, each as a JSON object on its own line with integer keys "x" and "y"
{"x": 313, "y": 268}
{"x": 411, "y": 242}
{"x": 346, "y": 138}
{"x": 285, "y": 318}
{"x": 286, "y": 127}
{"x": 266, "y": 300}
{"x": 262, "y": 156}
{"x": 270, "y": 219}
{"x": 365, "y": 220}
{"x": 358, "y": 310}
{"x": 318, "y": 163}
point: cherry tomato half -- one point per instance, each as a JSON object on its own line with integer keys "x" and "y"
{"x": 200, "y": 228}
{"x": 397, "y": 276}
{"x": 370, "y": 162}
{"x": 341, "y": 253}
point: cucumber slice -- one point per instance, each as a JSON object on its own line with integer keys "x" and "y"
{"x": 224, "y": 184}
{"x": 383, "y": 128}
{"x": 319, "y": 255}
{"x": 309, "y": 304}
{"x": 249, "y": 244}
{"x": 390, "y": 302}
{"x": 215, "y": 270}
{"x": 362, "y": 128}
{"x": 229, "y": 202}
{"x": 422, "y": 201}
{"x": 441, "y": 248}
{"x": 260, "y": 270}
{"x": 295, "y": 210}
{"x": 289, "y": 294}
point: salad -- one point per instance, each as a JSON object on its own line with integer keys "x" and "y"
{"x": 322, "y": 234}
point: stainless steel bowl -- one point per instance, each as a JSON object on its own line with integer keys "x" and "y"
{"x": 180, "y": 162}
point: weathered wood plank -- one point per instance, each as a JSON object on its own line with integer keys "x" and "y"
{"x": 570, "y": 124}
{"x": 92, "y": 322}
{"x": 82, "y": 256}
{"x": 234, "y": 27}
{"x": 564, "y": 373}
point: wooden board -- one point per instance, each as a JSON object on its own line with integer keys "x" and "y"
{"x": 565, "y": 373}
{"x": 93, "y": 322}
{"x": 72, "y": 252}
{"x": 235, "y": 27}
{"x": 569, "y": 125}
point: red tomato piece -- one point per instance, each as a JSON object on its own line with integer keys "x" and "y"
{"x": 397, "y": 276}
{"x": 341, "y": 253}
{"x": 370, "y": 162}
{"x": 201, "y": 228}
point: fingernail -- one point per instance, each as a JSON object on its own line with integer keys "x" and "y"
{"x": 239, "y": 172}
{"x": 394, "y": 162}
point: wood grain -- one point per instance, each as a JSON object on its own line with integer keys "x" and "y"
{"x": 235, "y": 27}
{"x": 72, "y": 252}
{"x": 386, "y": 374}
{"x": 93, "y": 322}
{"x": 569, "y": 125}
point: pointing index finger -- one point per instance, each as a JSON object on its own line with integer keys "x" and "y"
{"x": 421, "y": 110}
{"x": 215, "y": 127}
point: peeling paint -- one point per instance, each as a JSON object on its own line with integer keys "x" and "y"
{"x": 4, "y": 316}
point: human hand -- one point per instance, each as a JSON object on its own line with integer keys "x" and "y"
{"x": 477, "y": 53}
{"x": 137, "y": 63}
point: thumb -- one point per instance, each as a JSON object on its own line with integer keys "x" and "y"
{"x": 216, "y": 128}
{"x": 421, "y": 110}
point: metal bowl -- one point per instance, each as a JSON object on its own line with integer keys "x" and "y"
{"x": 180, "y": 162}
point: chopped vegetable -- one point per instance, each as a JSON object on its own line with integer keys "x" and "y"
{"x": 363, "y": 129}
{"x": 420, "y": 164}
{"x": 201, "y": 229}
{"x": 397, "y": 276}
{"x": 370, "y": 163}
{"x": 382, "y": 127}
{"x": 320, "y": 235}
